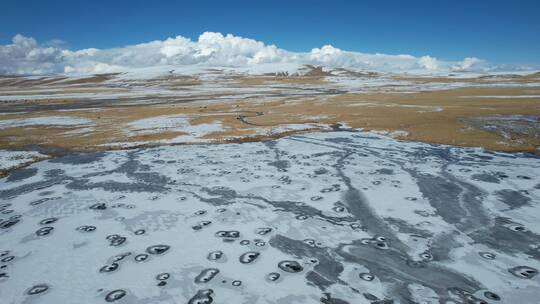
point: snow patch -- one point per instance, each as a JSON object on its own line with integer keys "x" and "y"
{"x": 44, "y": 121}
{"x": 13, "y": 159}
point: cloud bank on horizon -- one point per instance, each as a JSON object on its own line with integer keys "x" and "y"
{"x": 25, "y": 56}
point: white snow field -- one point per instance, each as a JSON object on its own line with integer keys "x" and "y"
{"x": 338, "y": 217}
{"x": 13, "y": 159}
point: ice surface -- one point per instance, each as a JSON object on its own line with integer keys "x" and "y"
{"x": 337, "y": 217}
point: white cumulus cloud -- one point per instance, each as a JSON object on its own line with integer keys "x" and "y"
{"x": 26, "y": 56}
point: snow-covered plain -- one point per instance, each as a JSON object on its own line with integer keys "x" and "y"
{"x": 339, "y": 217}
{"x": 14, "y": 159}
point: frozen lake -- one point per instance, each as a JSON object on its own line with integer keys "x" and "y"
{"x": 339, "y": 217}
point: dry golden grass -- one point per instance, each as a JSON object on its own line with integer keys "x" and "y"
{"x": 434, "y": 116}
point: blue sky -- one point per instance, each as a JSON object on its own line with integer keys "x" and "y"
{"x": 497, "y": 31}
